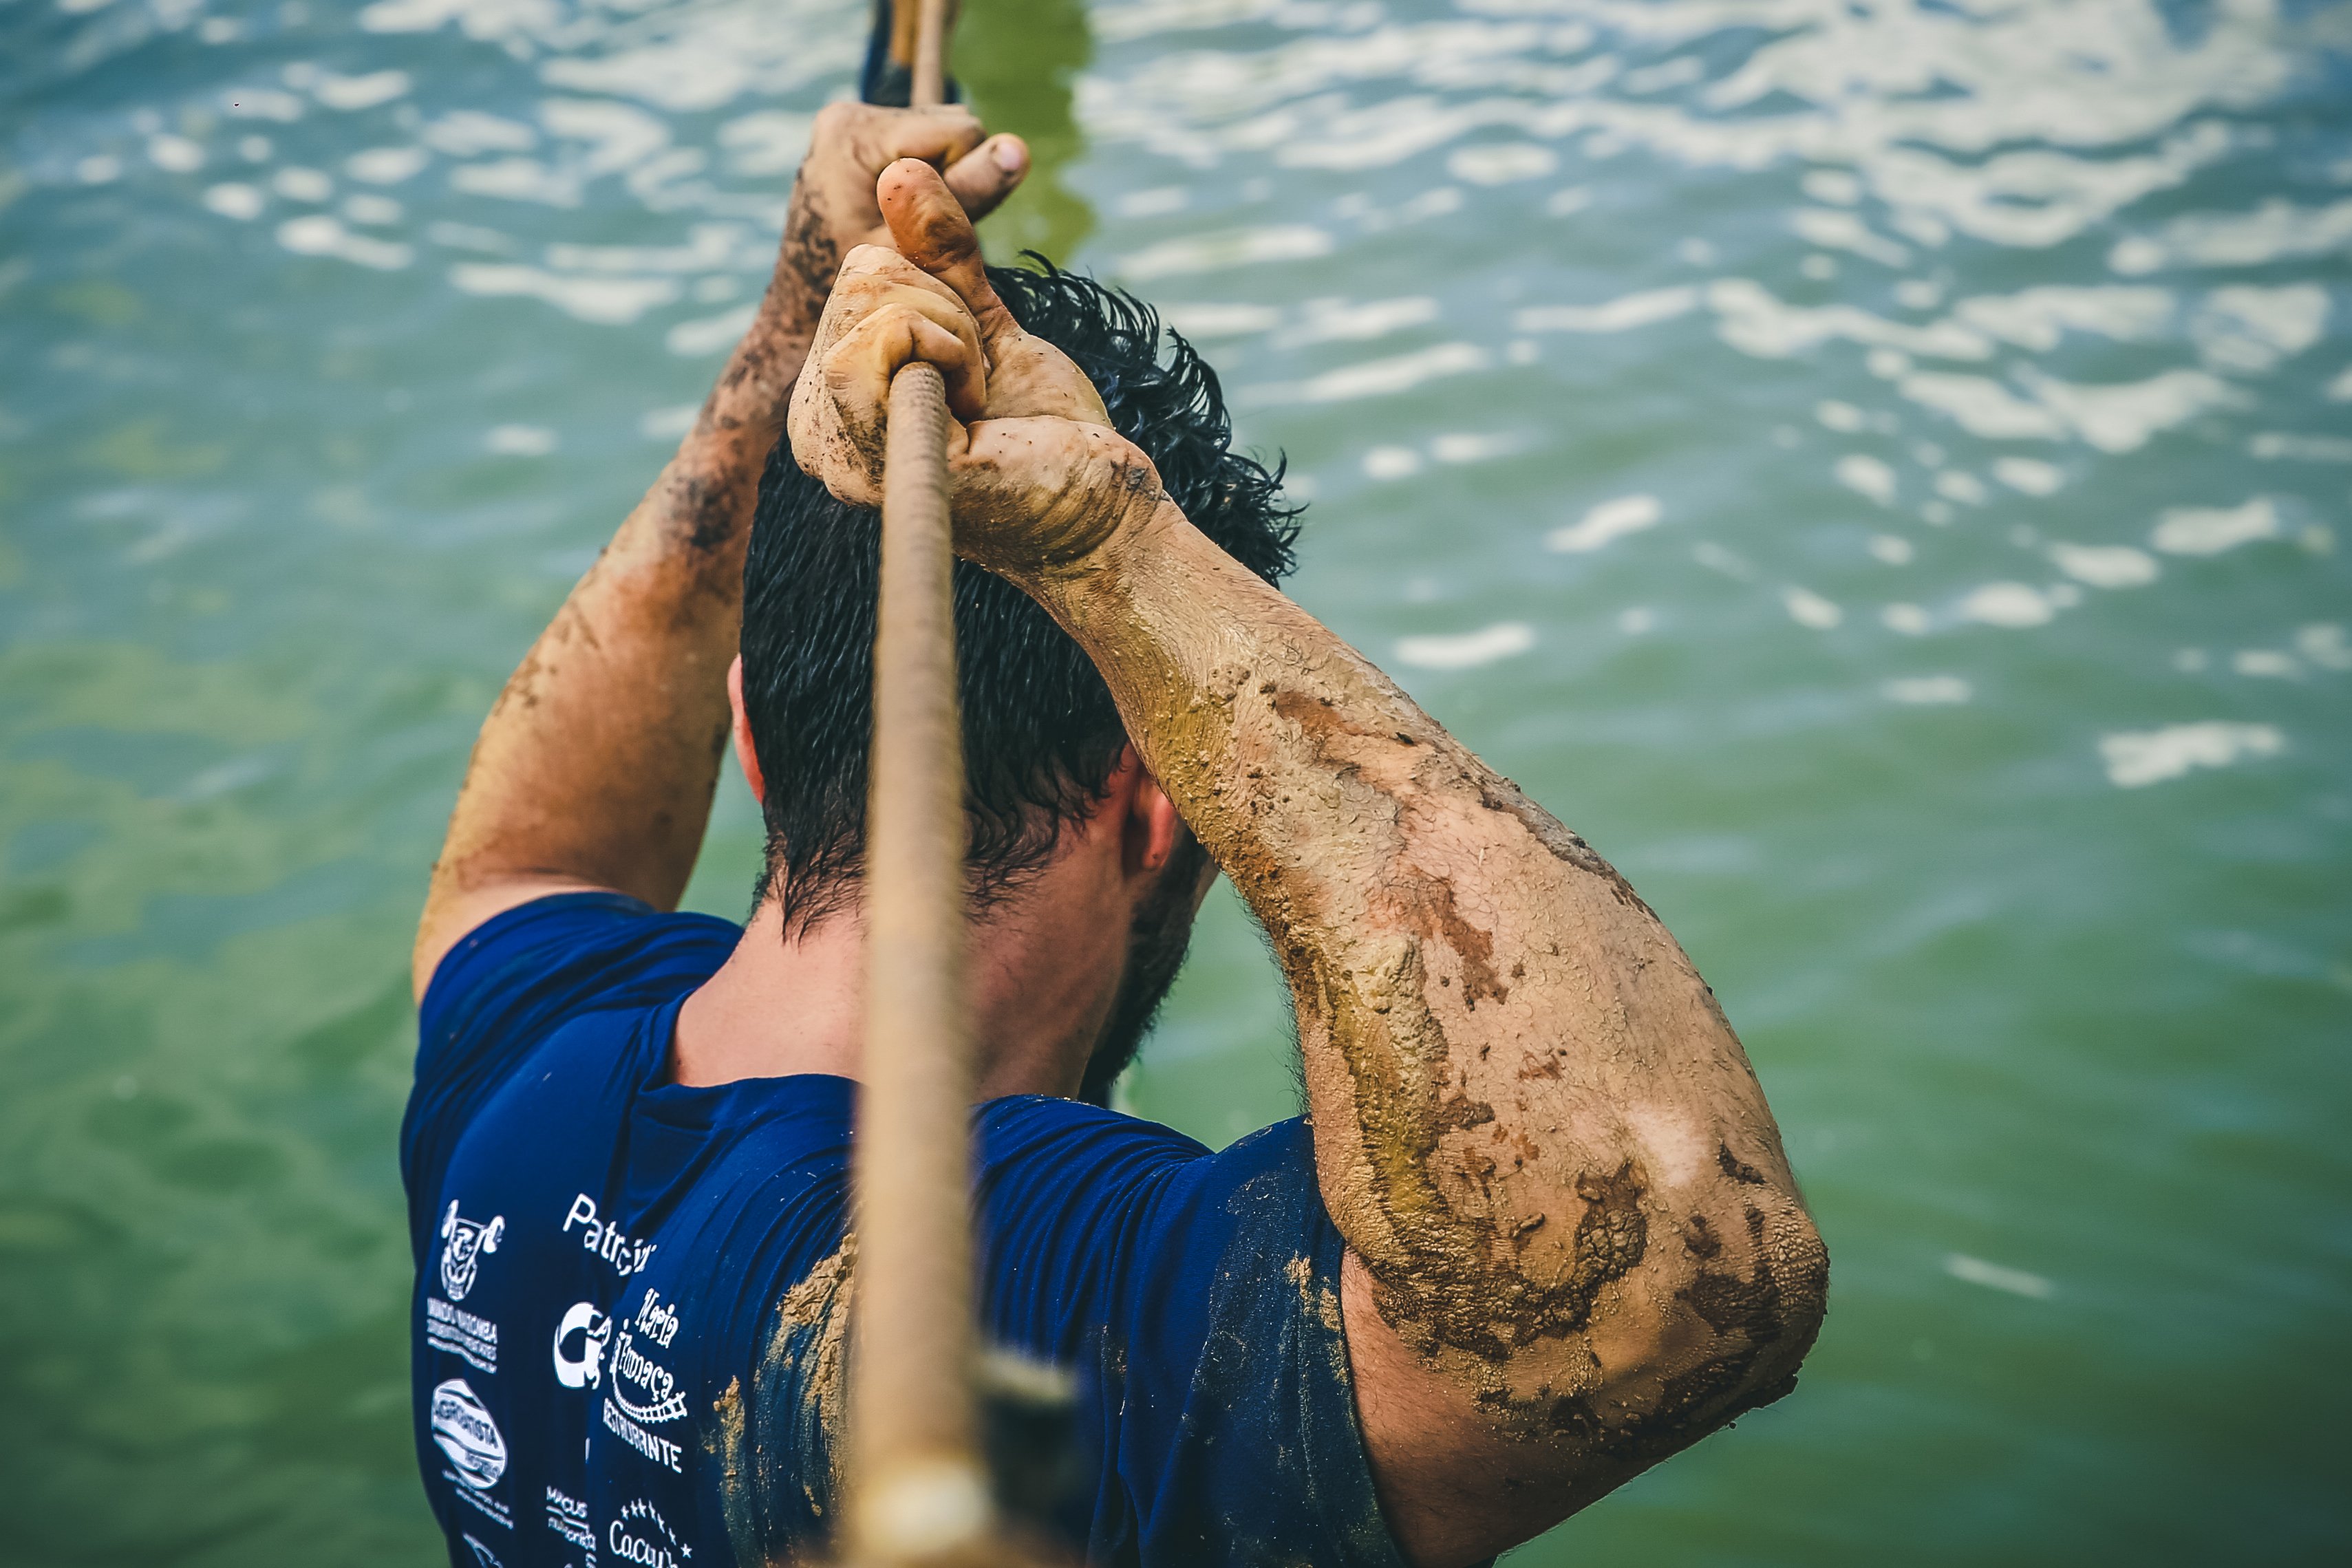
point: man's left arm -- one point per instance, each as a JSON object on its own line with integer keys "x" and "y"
{"x": 595, "y": 769}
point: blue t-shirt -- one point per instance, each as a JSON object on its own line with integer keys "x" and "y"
{"x": 632, "y": 1295}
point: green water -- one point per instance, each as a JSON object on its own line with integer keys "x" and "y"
{"x": 1879, "y": 471}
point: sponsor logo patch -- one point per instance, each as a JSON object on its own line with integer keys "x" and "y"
{"x": 623, "y": 1252}
{"x": 660, "y": 1450}
{"x": 474, "y": 1340}
{"x": 465, "y": 1433}
{"x": 579, "y": 1341}
{"x": 568, "y": 1517}
{"x": 463, "y": 1244}
{"x": 640, "y": 1535}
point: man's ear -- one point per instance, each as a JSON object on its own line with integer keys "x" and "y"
{"x": 1153, "y": 823}
{"x": 747, "y": 756}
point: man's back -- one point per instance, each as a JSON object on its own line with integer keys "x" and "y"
{"x": 632, "y": 1295}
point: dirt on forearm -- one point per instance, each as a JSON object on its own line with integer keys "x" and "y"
{"x": 1532, "y": 1122}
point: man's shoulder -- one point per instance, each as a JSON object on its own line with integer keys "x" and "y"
{"x": 586, "y": 931}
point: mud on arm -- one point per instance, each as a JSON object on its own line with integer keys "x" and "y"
{"x": 1580, "y": 1245}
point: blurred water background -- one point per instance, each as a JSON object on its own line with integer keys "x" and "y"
{"x": 1877, "y": 469}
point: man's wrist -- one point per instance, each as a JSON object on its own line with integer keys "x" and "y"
{"x": 1073, "y": 589}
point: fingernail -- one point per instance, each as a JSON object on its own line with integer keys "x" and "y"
{"x": 1008, "y": 154}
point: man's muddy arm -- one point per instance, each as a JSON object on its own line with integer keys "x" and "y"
{"x": 596, "y": 766}
{"x": 1580, "y": 1245}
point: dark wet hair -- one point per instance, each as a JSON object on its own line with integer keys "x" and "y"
{"x": 1040, "y": 732}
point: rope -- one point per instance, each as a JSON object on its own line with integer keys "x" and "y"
{"x": 919, "y": 1489}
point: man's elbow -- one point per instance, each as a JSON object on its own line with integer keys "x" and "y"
{"x": 1742, "y": 1332}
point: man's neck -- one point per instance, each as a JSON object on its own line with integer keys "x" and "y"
{"x": 781, "y": 1006}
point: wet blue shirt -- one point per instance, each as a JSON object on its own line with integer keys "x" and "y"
{"x": 631, "y": 1299}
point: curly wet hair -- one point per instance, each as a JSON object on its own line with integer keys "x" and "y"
{"x": 1040, "y": 733}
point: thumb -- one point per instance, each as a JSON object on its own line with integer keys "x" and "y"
{"x": 930, "y": 229}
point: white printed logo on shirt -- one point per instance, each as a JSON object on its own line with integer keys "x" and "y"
{"x": 625, "y": 1253}
{"x": 464, "y": 1430}
{"x": 640, "y": 1535}
{"x": 463, "y": 1244}
{"x": 591, "y": 1331}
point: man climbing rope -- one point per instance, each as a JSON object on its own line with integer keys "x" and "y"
{"x": 1536, "y": 1233}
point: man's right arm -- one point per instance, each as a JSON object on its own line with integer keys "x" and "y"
{"x": 1581, "y": 1247}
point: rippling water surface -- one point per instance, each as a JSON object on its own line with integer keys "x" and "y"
{"x": 1879, "y": 470}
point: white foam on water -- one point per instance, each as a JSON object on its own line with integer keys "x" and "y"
{"x": 2037, "y": 318}
{"x": 1388, "y": 462}
{"x": 621, "y": 136}
{"x": 2265, "y": 664}
{"x": 1473, "y": 446}
{"x": 1607, "y": 520}
{"x": 2249, "y": 329}
{"x": 2280, "y": 444}
{"x": 1958, "y": 485}
{"x": 1374, "y": 378}
{"x": 1328, "y": 320}
{"x": 518, "y": 180}
{"x": 486, "y": 19}
{"x": 1157, "y": 201}
{"x": 1226, "y": 248}
{"x": 1927, "y": 691}
{"x": 2105, "y": 566}
{"x": 2340, "y": 388}
{"x": 297, "y": 185}
{"x": 1751, "y": 319}
{"x": 2210, "y": 530}
{"x": 236, "y": 200}
{"x": 261, "y": 103}
{"x": 605, "y": 301}
{"x": 2322, "y": 643}
{"x": 2010, "y": 605}
{"x": 709, "y": 334}
{"x": 1982, "y": 406}
{"x": 351, "y": 93}
{"x": 386, "y": 165}
{"x": 2121, "y": 417}
{"x": 1866, "y": 475}
{"x": 1892, "y": 549}
{"x": 1835, "y": 230}
{"x": 519, "y": 440}
{"x": 1837, "y": 416}
{"x": 1502, "y": 163}
{"x": 1203, "y": 321}
{"x": 2277, "y": 230}
{"x": 1619, "y": 315}
{"x": 2137, "y": 759}
{"x": 379, "y": 212}
{"x": 175, "y": 155}
{"x": 1806, "y": 607}
{"x": 1909, "y": 620}
{"x": 1997, "y": 1277}
{"x": 469, "y": 133}
{"x": 2029, "y": 475}
{"x": 766, "y": 142}
{"x": 319, "y": 235}
{"x": 708, "y": 247}
{"x": 1834, "y": 186}
{"x": 1467, "y": 650}
{"x": 669, "y": 424}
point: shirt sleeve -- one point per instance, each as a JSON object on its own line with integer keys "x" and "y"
{"x": 522, "y": 974}
{"x": 1197, "y": 1296}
